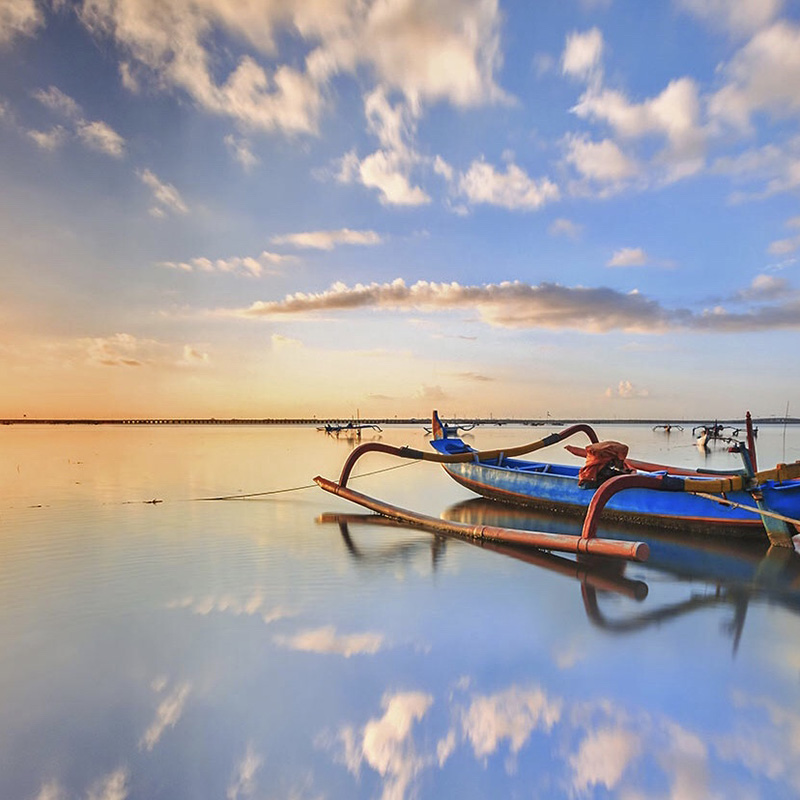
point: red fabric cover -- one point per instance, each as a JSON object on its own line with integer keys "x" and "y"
{"x": 599, "y": 455}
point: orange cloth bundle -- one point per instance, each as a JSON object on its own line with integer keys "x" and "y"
{"x": 604, "y": 460}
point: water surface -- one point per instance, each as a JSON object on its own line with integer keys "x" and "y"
{"x": 198, "y": 648}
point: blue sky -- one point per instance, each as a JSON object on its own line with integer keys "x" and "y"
{"x": 323, "y": 207}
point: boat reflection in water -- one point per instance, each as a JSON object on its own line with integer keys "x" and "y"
{"x": 717, "y": 572}
{"x": 734, "y": 571}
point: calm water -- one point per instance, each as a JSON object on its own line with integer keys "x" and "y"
{"x": 246, "y": 649}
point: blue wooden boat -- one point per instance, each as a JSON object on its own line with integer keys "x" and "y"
{"x": 691, "y": 502}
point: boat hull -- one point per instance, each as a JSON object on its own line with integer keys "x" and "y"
{"x": 555, "y": 488}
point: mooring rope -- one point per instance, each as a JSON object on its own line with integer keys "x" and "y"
{"x": 297, "y": 488}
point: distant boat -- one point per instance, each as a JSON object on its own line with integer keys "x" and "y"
{"x": 668, "y": 427}
{"x": 337, "y": 428}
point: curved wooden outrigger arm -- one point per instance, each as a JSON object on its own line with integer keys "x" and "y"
{"x": 468, "y": 455}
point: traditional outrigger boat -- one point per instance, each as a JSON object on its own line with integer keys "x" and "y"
{"x": 741, "y": 502}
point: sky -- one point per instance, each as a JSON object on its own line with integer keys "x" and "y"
{"x": 330, "y": 208}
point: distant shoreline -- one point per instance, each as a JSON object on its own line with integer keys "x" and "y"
{"x": 394, "y": 421}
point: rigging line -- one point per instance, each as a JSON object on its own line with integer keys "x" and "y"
{"x": 300, "y": 488}
{"x": 726, "y": 502}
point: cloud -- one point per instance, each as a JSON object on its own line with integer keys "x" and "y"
{"x": 387, "y": 744}
{"x": 327, "y": 240}
{"x": 126, "y": 350}
{"x": 601, "y": 162}
{"x": 326, "y": 640}
{"x": 429, "y": 52}
{"x": 765, "y": 287}
{"x": 628, "y": 257}
{"x": 627, "y": 391}
{"x": 565, "y": 227}
{"x": 582, "y": 54}
{"x": 166, "y": 196}
{"x": 252, "y": 266}
{"x": 119, "y": 350}
{"x": 508, "y": 304}
{"x": 228, "y": 604}
{"x": 280, "y": 342}
{"x": 602, "y": 758}
{"x": 776, "y": 166}
{"x": 52, "y": 790}
{"x": 513, "y": 304}
{"x": 111, "y": 787}
{"x": 96, "y": 135}
{"x": 241, "y": 152}
{"x": 673, "y": 115}
{"x": 169, "y": 711}
{"x": 512, "y": 714}
{"x": 243, "y": 782}
{"x": 736, "y": 16}
{"x": 192, "y": 357}
{"x": 19, "y": 18}
{"x": 101, "y": 137}
{"x": 54, "y": 99}
{"x": 49, "y": 140}
{"x": 512, "y": 189}
{"x": 763, "y": 76}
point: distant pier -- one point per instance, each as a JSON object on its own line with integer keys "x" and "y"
{"x": 371, "y": 421}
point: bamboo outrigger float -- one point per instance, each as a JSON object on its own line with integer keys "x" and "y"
{"x": 658, "y": 496}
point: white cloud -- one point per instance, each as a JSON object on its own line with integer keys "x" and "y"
{"x": 602, "y": 758}
{"x": 96, "y": 135}
{"x": 52, "y": 790}
{"x": 49, "y": 140}
{"x": 775, "y": 166}
{"x": 387, "y": 744}
{"x": 512, "y": 189}
{"x": 327, "y": 240}
{"x": 508, "y": 304}
{"x": 192, "y": 357}
{"x": 674, "y": 114}
{"x": 326, "y": 640}
{"x": 254, "y": 266}
{"x": 110, "y": 787}
{"x": 766, "y": 287}
{"x": 18, "y": 18}
{"x": 243, "y": 783}
{"x": 102, "y": 137}
{"x": 54, "y": 99}
{"x": 513, "y": 714}
{"x": 166, "y": 195}
{"x": 427, "y": 51}
{"x": 626, "y": 391}
{"x": 628, "y": 257}
{"x": 241, "y": 151}
{"x": 763, "y": 76}
{"x": 565, "y": 227}
{"x": 736, "y": 16}
{"x": 582, "y": 54}
{"x": 602, "y": 162}
{"x": 169, "y": 711}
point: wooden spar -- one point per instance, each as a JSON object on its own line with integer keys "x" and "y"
{"x": 634, "y": 551}
{"x": 455, "y": 458}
